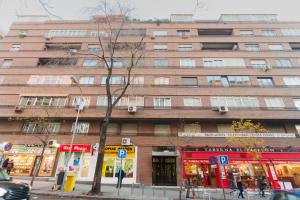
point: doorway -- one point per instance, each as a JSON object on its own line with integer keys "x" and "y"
{"x": 164, "y": 170}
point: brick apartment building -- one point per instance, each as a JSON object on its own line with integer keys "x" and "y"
{"x": 195, "y": 78}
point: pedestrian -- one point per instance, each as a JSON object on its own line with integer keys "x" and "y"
{"x": 232, "y": 186}
{"x": 120, "y": 176}
{"x": 262, "y": 185}
{"x": 4, "y": 165}
{"x": 240, "y": 188}
{"x": 10, "y": 166}
{"x": 187, "y": 186}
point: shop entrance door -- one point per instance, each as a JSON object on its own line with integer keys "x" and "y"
{"x": 164, "y": 170}
{"x": 36, "y": 164}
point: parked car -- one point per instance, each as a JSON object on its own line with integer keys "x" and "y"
{"x": 285, "y": 195}
{"x": 12, "y": 190}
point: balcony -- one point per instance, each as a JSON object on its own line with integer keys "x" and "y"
{"x": 62, "y": 46}
{"x": 214, "y": 32}
{"x": 56, "y": 61}
{"x": 209, "y": 46}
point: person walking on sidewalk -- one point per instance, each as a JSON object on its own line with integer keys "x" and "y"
{"x": 120, "y": 176}
{"x": 10, "y": 166}
{"x": 262, "y": 186}
{"x": 241, "y": 188}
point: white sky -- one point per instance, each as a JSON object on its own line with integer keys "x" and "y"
{"x": 287, "y": 10}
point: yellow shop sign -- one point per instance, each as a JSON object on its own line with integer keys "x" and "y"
{"x": 115, "y": 149}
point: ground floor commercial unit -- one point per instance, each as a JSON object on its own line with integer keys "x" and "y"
{"x": 164, "y": 160}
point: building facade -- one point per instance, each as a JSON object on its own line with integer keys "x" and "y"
{"x": 194, "y": 79}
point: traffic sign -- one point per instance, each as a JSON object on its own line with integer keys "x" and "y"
{"x": 213, "y": 160}
{"x": 8, "y": 146}
{"x": 223, "y": 160}
{"x": 122, "y": 153}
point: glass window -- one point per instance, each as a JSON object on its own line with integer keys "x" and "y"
{"x": 50, "y": 80}
{"x": 160, "y": 33}
{"x": 41, "y": 128}
{"x": 187, "y": 63}
{"x": 189, "y": 81}
{"x": 162, "y": 129}
{"x": 185, "y": 47}
{"x": 275, "y": 47}
{"x": 137, "y": 80}
{"x": 233, "y": 101}
{"x": 161, "y": 81}
{"x": 160, "y": 47}
{"x": 161, "y": 63}
{"x": 90, "y": 63}
{"x": 15, "y": 47}
{"x": 252, "y": 47}
{"x": 86, "y": 80}
{"x": 129, "y": 129}
{"x": 162, "y": 102}
{"x": 291, "y": 81}
{"x": 114, "y": 80}
{"x": 81, "y": 100}
{"x": 67, "y": 33}
{"x": 1, "y": 79}
{"x": 297, "y": 103}
{"x": 6, "y": 63}
{"x": 258, "y": 64}
{"x": 268, "y": 33}
{"x": 265, "y": 81}
{"x": 283, "y": 63}
{"x": 213, "y": 63}
{"x": 246, "y": 32}
{"x": 192, "y": 102}
{"x": 297, "y": 127}
{"x": 98, "y": 33}
{"x": 224, "y": 62}
{"x": 116, "y": 63}
{"x": 290, "y": 32}
{"x": 274, "y": 102}
{"x": 81, "y": 128}
{"x": 238, "y": 80}
{"x": 183, "y": 32}
{"x": 94, "y": 47}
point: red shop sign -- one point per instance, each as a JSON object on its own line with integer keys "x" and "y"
{"x": 77, "y": 148}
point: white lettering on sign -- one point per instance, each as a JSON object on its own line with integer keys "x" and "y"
{"x": 258, "y": 135}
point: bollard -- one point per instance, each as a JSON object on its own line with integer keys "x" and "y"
{"x": 153, "y": 192}
{"x": 131, "y": 192}
{"x": 180, "y": 192}
{"x": 142, "y": 191}
{"x": 165, "y": 192}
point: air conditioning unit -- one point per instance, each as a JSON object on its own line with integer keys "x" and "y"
{"x": 222, "y": 109}
{"x": 19, "y": 109}
{"x": 267, "y": 68}
{"x": 152, "y": 37}
{"x": 125, "y": 141}
{"x": 79, "y": 107}
{"x": 73, "y": 51}
{"x": 52, "y": 143}
{"x": 132, "y": 109}
{"x": 48, "y": 37}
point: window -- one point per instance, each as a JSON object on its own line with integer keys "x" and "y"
{"x": 137, "y": 80}
{"x": 297, "y": 103}
{"x": 185, "y": 47}
{"x": 114, "y": 80}
{"x": 283, "y": 63}
{"x": 161, "y": 81}
{"x": 161, "y": 63}
{"x": 265, "y": 81}
{"x": 274, "y": 102}
{"x": 90, "y": 63}
{"x": 187, "y": 63}
{"x": 81, "y": 128}
{"x": 224, "y": 62}
{"x": 98, "y": 33}
{"x": 162, "y": 102}
{"x": 297, "y": 126}
{"x": 291, "y": 81}
{"x": 6, "y": 63}
{"x": 124, "y": 101}
{"x": 258, "y": 64}
{"x": 162, "y": 129}
{"x": 38, "y": 128}
{"x": 81, "y": 100}
{"x": 189, "y": 81}
{"x": 50, "y": 80}
{"x": 192, "y": 102}
{"x": 160, "y": 33}
{"x": 268, "y": 32}
{"x": 112, "y": 129}
{"x": 86, "y": 80}
{"x": 252, "y": 47}
{"x": 129, "y": 129}
{"x": 67, "y": 33}
{"x": 275, "y": 47}
{"x": 232, "y": 101}
{"x": 160, "y": 47}
{"x": 93, "y": 47}
{"x": 43, "y": 101}
{"x": 1, "y": 79}
{"x": 227, "y": 81}
{"x": 192, "y": 128}
{"x": 224, "y": 128}
{"x": 290, "y": 32}
{"x": 115, "y": 63}
{"x": 246, "y": 32}
{"x": 15, "y": 47}
{"x": 183, "y": 32}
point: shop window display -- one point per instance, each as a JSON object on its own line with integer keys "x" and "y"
{"x": 111, "y": 166}
{"x": 289, "y": 173}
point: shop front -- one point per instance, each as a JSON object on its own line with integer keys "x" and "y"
{"x": 84, "y": 157}
{"x": 26, "y": 157}
{"x": 278, "y": 165}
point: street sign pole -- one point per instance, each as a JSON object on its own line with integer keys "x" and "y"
{"x": 222, "y": 160}
{"x": 119, "y": 182}
{"x": 121, "y": 154}
{"x": 222, "y": 184}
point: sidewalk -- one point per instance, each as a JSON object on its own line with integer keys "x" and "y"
{"x": 129, "y": 192}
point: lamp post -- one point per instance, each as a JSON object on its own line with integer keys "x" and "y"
{"x": 78, "y": 108}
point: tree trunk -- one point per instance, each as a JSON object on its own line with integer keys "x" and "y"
{"x": 96, "y": 187}
{"x": 38, "y": 167}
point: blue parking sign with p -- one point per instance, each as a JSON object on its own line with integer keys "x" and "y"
{"x": 223, "y": 160}
{"x": 122, "y": 153}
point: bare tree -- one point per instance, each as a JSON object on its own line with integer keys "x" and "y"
{"x": 112, "y": 20}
